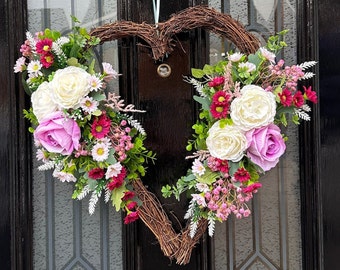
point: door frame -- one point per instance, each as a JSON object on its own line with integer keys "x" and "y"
{"x": 15, "y": 153}
{"x": 309, "y": 141}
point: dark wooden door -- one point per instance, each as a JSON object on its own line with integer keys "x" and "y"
{"x": 170, "y": 113}
{"x": 329, "y": 58}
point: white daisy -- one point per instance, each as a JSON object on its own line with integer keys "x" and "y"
{"x": 100, "y": 152}
{"x": 34, "y": 68}
{"x": 95, "y": 83}
{"x": 88, "y": 104}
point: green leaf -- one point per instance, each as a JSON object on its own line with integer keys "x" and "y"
{"x": 166, "y": 191}
{"x": 98, "y": 96}
{"x": 255, "y": 59}
{"x": 233, "y": 166}
{"x": 117, "y": 195}
{"x": 197, "y": 73}
{"x": 111, "y": 159}
{"x": 73, "y": 61}
{"x": 92, "y": 183}
{"x": 203, "y": 101}
{"x": 208, "y": 177}
{"x": 208, "y": 70}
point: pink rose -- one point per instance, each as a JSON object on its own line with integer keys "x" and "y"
{"x": 265, "y": 146}
{"x": 58, "y": 134}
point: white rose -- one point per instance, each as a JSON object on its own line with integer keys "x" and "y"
{"x": 42, "y": 103}
{"x": 69, "y": 86}
{"x": 227, "y": 143}
{"x": 254, "y": 108}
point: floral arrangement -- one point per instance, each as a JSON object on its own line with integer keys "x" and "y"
{"x": 83, "y": 132}
{"x": 244, "y": 100}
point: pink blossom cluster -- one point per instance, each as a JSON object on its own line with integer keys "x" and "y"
{"x": 121, "y": 140}
{"x": 226, "y": 198}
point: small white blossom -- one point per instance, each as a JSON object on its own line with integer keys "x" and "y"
{"x": 113, "y": 170}
{"x": 198, "y": 168}
{"x": 235, "y": 57}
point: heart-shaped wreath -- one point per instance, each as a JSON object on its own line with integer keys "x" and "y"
{"x": 88, "y": 136}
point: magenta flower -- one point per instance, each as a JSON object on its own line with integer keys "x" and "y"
{"x": 101, "y": 126}
{"x": 96, "y": 173}
{"x": 217, "y": 81}
{"x": 310, "y": 94}
{"x": 44, "y": 46}
{"x": 298, "y": 99}
{"x": 131, "y": 217}
{"x": 265, "y": 146}
{"x": 58, "y": 134}
{"x": 252, "y": 188}
{"x": 286, "y": 97}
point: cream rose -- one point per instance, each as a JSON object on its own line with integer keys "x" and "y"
{"x": 69, "y": 86}
{"x": 227, "y": 143}
{"x": 42, "y": 103}
{"x": 254, "y": 108}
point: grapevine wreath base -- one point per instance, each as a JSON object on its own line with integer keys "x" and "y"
{"x": 161, "y": 39}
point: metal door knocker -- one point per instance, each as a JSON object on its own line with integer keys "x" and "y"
{"x": 164, "y": 70}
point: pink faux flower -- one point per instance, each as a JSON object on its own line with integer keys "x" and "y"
{"x": 310, "y": 94}
{"x": 58, "y": 134}
{"x": 217, "y": 81}
{"x": 131, "y": 205}
{"x": 286, "y": 97}
{"x": 47, "y": 60}
{"x": 96, "y": 173}
{"x": 101, "y": 126}
{"x": 252, "y": 188}
{"x": 220, "y": 98}
{"x": 242, "y": 175}
{"x": 131, "y": 217}
{"x": 298, "y": 99}
{"x": 128, "y": 195}
{"x": 118, "y": 180}
{"x": 265, "y": 146}
{"x": 44, "y": 46}
{"x": 219, "y": 111}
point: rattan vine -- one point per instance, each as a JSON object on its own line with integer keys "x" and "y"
{"x": 162, "y": 39}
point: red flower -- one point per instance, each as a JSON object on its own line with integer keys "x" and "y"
{"x": 219, "y": 111}
{"x": 101, "y": 126}
{"x": 115, "y": 183}
{"x": 310, "y": 94}
{"x": 242, "y": 175}
{"x": 220, "y": 97}
{"x": 118, "y": 180}
{"x": 216, "y": 164}
{"x": 217, "y": 81}
{"x": 131, "y": 205}
{"x": 47, "y": 60}
{"x": 44, "y": 46}
{"x": 298, "y": 99}
{"x": 96, "y": 173}
{"x": 286, "y": 97}
{"x": 252, "y": 188}
{"x": 128, "y": 195}
{"x": 131, "y": 217}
